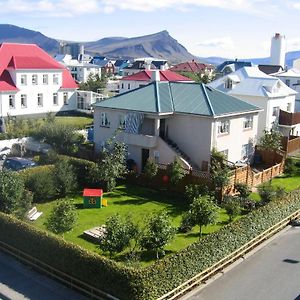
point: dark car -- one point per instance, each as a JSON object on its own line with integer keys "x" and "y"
{"x": 18, "y": 163}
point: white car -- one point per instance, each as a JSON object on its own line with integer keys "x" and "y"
{"x": 4, "y": 152}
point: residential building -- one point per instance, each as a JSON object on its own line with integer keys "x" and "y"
{"x": 164, "y": 120}
{"x": 106, "y": 65}
{"x": 270, "y": 69}
{"x": 32, "y": 82}
{"x": 120, "y": 64}
{"x": 194, "y": 67}
{"x": 73, "y": 49}
{"x": 268, "y": 92}
{"x": 86, "y": 100}
{"x": 145, "y": 63}
{"x": 142, "y": 78}
{"x": 80, "y": 70}
{"x": 230, "y": 66}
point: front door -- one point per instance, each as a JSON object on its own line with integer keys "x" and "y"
{"x": 162, "y": 128}
{"x": 145, "y": 156}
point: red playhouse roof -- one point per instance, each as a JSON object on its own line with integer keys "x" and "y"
{"x": 28, "y": 57}
{"x": 166, "y": 75}
{"x": 92, "y": 192}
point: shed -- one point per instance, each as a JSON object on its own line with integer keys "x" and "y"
{"x": 92, "y": 198}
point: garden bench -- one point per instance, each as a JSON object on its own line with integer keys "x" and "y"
{"x": 33, "y": 214}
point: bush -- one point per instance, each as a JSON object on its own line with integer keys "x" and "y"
{"x": 290, "y": 167}
{"x": 232, "y": 207}
{"x": 269, "y": 193}
{"x": 151, "y": 168}
{"x": 186, "y": 224}
{"x": 243, "y": 190}
{"x": 40, "y": 182}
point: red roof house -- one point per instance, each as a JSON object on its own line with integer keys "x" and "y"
{"x": 192, "y": 66}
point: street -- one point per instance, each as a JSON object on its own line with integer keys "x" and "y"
{"x": 271, "y": 273}
{"x": 18, "y": 282}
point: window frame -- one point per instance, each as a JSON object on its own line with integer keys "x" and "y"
{"x": 13, "y": 99}
{"x": 248, "y": 120}
{"x": 23, "y": 79}
{"x": 55, "y": 96}
{"x": 223, "y": 125}
{"x": 23, "y": 101}
{"x": 40, "y": 98}
{"x": 104, "y": 121}
{"x": 34, "y": 79}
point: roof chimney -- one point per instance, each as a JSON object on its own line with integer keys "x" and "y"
{"x": 155, "y": 75}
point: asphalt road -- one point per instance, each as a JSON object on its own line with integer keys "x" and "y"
{"x": 18, "y": 282}
{"x": 273, "y": 272}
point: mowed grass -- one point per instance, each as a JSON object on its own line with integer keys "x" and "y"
{"x": 137, "y": 203}
{"x": 76, "y": 122}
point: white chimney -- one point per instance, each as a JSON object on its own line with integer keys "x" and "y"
{"x": 162, "y": 67}
{"x": 155, "y": 75}
{"x": 81, "y": 49}
{"x": 147, "y": 65}
{"x": 278, "y": 48}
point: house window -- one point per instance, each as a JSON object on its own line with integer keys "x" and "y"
{"x": 247, "y": 151}
{"x": 122, "y": 86}
{"x": 128, "y": 87}
{"x": 11, "y": 101}
{"x": 289, "y": 107}
{"x": 66, "y": 99}
{"x": 23, "y": 101}
{"x": 122, "y": 121}
{"x": 228, "y": 84}
{"x": 104, "y": 120}
{"x": 275, "y": 112}
{"x": 34, "y": 79}
{"x": 23, "y": 79}
{"x": 223, "y": 127}
{"x": 55, "y": 78}
{"x": 248, "y": 122}
{"x": 45, "y": 78}
{"x": 288, "y": 82}
{"x": 40, "y": 99}
{"x": 80, "y": 102}
{"x": 55, "y": 99}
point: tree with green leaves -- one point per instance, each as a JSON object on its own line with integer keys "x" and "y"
{"x": 118, "y": 233}
{"x": 176, "y": 171}
{"x": 112, "y": 164}
{"x": 220, "y": 174}
{"x": 232, "y": 207}
{"x": 203, "y": 212}
{"x": 62, "y": 217}
{"x": 24, "y": 205}
{"x": 158, "y": 232}
{"x": 65, "y": 177}
{"x": 193, "y": 191}
{"x": 11, "y": 191}
{"x": 271, "y": 140}
{"x": 151, "y": 168}
{"x": 94, "y": 83}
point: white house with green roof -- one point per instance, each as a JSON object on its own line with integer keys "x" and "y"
{"x": 167, "y": 119}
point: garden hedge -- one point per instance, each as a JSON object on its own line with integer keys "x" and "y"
{"x": 162, "y": 276}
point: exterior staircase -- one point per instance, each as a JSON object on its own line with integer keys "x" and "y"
{"x": 181, "y": 154}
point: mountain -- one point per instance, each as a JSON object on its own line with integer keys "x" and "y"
{"x": 289, "y": 58}
{"x": 160, "y": 45}
{"x": 15, "y": 34}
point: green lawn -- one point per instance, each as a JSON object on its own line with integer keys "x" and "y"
{"x": 77, "y": 122}
{"x": 139, "y": 203}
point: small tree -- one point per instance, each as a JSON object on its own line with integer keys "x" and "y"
{"x": 271, "y": 140}
{"x": 176, "y": 171}
{"x": 151, "y": 168}
{"x": 62, "y": 217}
{"x": 11, "y": 191}
{"x": 187, "y": 223}
{"x": 193, "y": 191}
{"x": 219, "y": 173}
{"x": 158, "y": 233}
{"x": 65, "y": 177}
{"x": 290, "y": 167}
{"x": 203, "y": 212}
{"x": 119, "y": 232}
{"x": 94, "y": 83}
{"x": 243, "y": 190}
{"x": 112, "y": 165}
{"x": 232, "y": 207}
{"x": 24, "y": 205}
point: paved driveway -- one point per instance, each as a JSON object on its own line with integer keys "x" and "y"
{"x": 271, "y": 273}
{"x": 18, "y": 282}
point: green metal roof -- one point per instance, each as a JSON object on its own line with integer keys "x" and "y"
{"x": 169, "y": 97}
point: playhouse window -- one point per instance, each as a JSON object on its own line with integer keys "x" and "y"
{"x": 92, "y": 201}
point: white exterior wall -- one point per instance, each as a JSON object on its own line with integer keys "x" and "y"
{"x": 128, "y": 85}
{"x": 294, "y": 84}
{"x": 192, "y": 134}
{"x": 237, "y": 136}
{"x": 31, "y": 91}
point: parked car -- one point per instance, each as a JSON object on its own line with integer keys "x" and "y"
{"x": 4, "y": 152}
{"x": 18, "y": 163}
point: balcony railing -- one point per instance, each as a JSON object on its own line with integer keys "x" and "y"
{"x": 145, "y": 141}
{"x": 289, "y": 119}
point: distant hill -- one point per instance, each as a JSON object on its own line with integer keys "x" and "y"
{"x": 159, "y": 45}
{"x": 15, "y": 34}
{"x": 289, "y": 58}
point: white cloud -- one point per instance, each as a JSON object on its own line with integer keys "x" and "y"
{"x": 225, "y": 43}
{"x": 78, "y": 7}
{"x": 293, "y": 44}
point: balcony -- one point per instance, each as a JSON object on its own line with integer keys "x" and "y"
{"x": 141, "y": 140}
{"x": 288, "y": 119}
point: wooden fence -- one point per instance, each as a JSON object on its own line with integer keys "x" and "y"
{"x": 291, "y": 144}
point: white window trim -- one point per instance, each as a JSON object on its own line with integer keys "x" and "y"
{"x": 104, "y": 122}
{"x": 248, "y": 121}
{"x": 25, "y": 98}
{"x": 223, "y": 125}
{"x": 56, "y": 97}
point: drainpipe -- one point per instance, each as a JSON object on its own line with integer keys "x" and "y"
{"x": 156, "y": 127}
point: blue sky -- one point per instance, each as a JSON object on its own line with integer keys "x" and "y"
{"x": 227, "y": 28}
